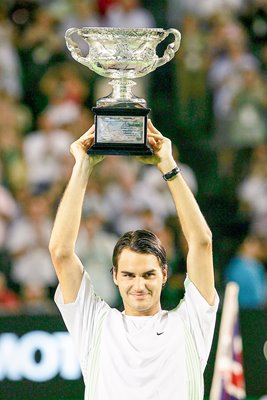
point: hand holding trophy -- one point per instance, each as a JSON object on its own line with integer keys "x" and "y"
{"x": 121, "y": 54}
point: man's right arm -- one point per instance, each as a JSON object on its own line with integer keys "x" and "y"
{"x": 68, "y": 266}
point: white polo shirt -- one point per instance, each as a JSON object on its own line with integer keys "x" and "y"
{"x": 159, "y": 357}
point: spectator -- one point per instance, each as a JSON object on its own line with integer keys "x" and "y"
{"x": 8, "y": 211}
{"x": 249, "y": 106}
{"x": 263, "y": 59}
{"x": 9, "y": 300}
{"x": 225, "y": 77}
{"x": 15, "y": 120}
{"x": 247, "y": 126}
{"x": 252, "y": 191}
{"x": 10, "y": 67}
{"x": 203, "y": 9}
{"x": 66, "y": 91}
{"x": 191, "y": 70}
{"x": 14, "y": 167}
{"x": 46, "y": 153}
{"x": 95, "y": 245}
{"x": 224, "y": 73}
{"x": 174, "y": 288}
{"x": 129, "y": 14}
{"x": 103, "y": 6}
{"x": 35, "y": 300}
{"x": 247, "y": 270}
{"x": 126, "y": 199}
{"x": 64, "y": 83}
{"x": 82, "y": 13}
{"x": 40, "y": 46}
{"x": 254, "y": 18}
{"x": 14, "y": 113}
{"x": 27, "y": 242}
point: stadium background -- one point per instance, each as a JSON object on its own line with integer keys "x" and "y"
{"x": 168, "y": 90}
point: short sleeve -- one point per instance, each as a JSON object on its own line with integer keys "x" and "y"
{"x": 200, "y": 318}
{"x": 82, "y": 318}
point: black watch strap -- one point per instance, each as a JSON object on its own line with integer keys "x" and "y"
{"x": 169, "y": 176}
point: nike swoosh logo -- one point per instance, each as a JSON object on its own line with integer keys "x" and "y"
{"x": 159, "y": 333}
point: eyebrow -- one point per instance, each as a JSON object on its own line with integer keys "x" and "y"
{"x": 144, "y": 273}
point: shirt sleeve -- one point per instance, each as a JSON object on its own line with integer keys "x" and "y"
{"x": 83, "y": 318}
{"x": 200, "y": 318}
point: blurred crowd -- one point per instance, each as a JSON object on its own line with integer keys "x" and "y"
{"x": 217, "y": 107}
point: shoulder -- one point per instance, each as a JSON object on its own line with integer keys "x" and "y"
{"x": 86, "y": 298}
{"x": 194, "y": 300}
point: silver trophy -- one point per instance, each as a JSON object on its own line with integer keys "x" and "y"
{"x": 121, "y": 54}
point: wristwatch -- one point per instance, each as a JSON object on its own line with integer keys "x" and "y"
{"x": 169, "y": 176}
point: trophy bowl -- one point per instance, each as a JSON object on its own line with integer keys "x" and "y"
{"x": 121, "y": 54}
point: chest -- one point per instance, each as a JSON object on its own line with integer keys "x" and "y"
{"x": 148, "y": 346}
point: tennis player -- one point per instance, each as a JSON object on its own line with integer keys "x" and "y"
{"x": 144, "y": 352}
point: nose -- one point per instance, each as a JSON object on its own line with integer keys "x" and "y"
{"x": 139, "y": 284}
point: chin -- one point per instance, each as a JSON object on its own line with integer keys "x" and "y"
{"x": 143, "y": 308}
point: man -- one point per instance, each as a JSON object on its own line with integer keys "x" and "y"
{"x": 144, "y": 353}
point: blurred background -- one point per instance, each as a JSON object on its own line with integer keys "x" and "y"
{"x": 210, "y": 100}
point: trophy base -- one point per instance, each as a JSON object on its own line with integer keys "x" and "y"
{"x": 121, "y": 131}
{"x": 116, "y": 149}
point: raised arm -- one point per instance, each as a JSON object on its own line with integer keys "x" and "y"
{"x": 195, "y": 228}
{"x": 68, "y": 267}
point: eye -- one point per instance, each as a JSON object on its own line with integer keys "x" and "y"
{"x": 149, "y": 275}
{"x": 127, "y": 275}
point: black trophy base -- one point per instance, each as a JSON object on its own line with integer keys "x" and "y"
{"x": 117, "y": 149}
{"x": 121, "y": 131}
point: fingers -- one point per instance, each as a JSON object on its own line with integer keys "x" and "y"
{"x": 155, "y": 144}
{"x": 155, "y": 138}
{"x": 151, "y": 141}
{"x": 87, "y": 142}
{"x": 91, "y": 129}
{"x": 152, "y": 128}
{"x": 87, "y": 138}
{"x": 154, "y": 134}
{"x": 88, "y": 133}
{"x": 81, "y": 145}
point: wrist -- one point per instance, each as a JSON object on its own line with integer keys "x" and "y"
{"x": 171, "y": 175}
{"x": 167, "y": 165}
{"x": 83, "y": 168}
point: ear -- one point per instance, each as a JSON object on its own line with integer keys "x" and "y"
{"x": 165, "y": 274}
{"x": 114, "y": 274}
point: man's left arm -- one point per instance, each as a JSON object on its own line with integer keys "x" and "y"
{"x": 195, "y": 228}
{"x": 198, "y": 236}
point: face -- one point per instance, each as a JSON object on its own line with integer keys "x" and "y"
{"x": 140, "y": 279}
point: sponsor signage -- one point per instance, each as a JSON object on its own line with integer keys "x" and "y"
{"x": 37, "y": 360}
{"x": 38, "y": 356}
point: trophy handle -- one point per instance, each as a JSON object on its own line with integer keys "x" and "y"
{"x": 172, "y": 47}
{"x": 74, "y": 47}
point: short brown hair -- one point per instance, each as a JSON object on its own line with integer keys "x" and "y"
{"x": 140, "y": 241}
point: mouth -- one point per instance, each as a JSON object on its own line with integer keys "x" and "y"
{"x": 139, "y": 296}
